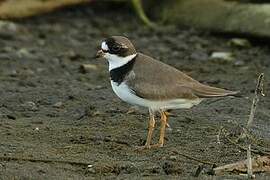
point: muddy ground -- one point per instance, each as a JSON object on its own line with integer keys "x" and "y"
{"x": 51, "y": 109}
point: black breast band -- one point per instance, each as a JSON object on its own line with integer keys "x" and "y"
{"x": 118, "y": 74}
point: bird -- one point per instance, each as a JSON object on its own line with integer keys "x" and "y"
{"x": 141, "y": 80}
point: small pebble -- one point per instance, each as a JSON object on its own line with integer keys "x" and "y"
{"x": 23, "y": 52}
{"x": 239, "y": 42}
{"x": 58, "y": 105}
{"x": 226, "y": 56}
{"x": 133, "y": 110}
{"x": 173, "y": 158}
{"x": 8, "y": 26}
{"x": 30, "y": 106}
{"x": 27, "y": 72}
{"x": 86, "y": 68}
{"x": 239, "y": 63}
{"x": 91, "y": 168}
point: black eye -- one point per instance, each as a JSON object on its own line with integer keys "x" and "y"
{"x": 116, "y": 48}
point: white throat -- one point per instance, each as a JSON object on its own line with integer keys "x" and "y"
{"x": 117, "y": 61}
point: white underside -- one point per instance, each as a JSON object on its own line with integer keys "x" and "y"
{"x": 124, "y": 93}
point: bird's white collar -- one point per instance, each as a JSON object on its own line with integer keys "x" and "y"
{"x": 117, "y": 61}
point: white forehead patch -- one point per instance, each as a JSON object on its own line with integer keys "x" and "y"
{"x": 104, "y": 46}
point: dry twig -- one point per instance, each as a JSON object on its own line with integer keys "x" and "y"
{"x": 193, "y": 158}
{"x": 259, "y": 164}
{"x": 249, "y": 162}
{"x": 258, "y": 91}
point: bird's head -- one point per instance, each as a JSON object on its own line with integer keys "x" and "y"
{"x": 117, "y": 50}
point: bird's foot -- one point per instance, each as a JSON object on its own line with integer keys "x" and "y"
{"x": 158, "y": 145}
{"x": 142, "y": 148}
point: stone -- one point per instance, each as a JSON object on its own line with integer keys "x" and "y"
{"x": 86, "y": 68}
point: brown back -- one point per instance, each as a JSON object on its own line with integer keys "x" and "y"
{"x": 155, "y": 80}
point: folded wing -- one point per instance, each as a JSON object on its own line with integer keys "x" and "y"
{"x": 155, "y": 80}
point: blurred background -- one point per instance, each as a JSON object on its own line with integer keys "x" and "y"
{"x": 59, "y": 118}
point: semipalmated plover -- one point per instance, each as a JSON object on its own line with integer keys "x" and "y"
{"x": 141, "y": 80}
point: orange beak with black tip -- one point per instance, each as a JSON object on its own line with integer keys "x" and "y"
{"x": 100, "y": 53}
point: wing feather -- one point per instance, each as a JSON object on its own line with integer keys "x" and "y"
{"x": 152, "y": 79}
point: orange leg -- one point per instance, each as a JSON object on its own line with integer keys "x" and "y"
{"x": 151, "y": 127}
{"x": 162, "y": 129}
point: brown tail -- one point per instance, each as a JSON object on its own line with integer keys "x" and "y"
{"x": 204, "y": 91}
